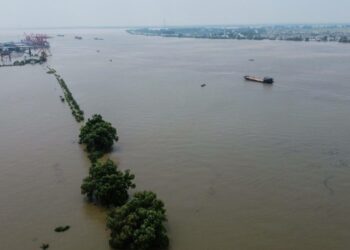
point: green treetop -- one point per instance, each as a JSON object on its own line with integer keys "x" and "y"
{"x": 107, "y": 185}
{"x": 98, "y": 136}
{"x": 138, "y": 224}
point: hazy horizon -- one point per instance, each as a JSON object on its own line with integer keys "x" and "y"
{"x": 117, "y": 13}
{"x": 169, "y": 26}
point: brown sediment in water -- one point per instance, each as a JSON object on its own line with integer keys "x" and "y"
{"x": 261, "y": 149}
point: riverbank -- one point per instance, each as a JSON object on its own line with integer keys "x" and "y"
{"x": 32, "y": 60}
{"x": 296, "y": 33}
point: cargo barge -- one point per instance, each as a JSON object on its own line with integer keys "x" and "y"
{"x": 268, "y": 80}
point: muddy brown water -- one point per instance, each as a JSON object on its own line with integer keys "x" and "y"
{"x": 239, "y": 165}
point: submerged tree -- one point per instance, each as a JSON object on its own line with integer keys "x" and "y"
{"x": 43, "y": 57}
{"x": 98, "y": 135}
{"x": 107, "y": 185}
{"x": 139, "y": 224}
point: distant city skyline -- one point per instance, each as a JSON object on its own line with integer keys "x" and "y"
{"x": 92, "y": 13}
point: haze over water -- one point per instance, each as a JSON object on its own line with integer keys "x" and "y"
{"x": 239, "y": 165}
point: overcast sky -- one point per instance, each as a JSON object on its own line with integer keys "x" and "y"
{"x": 58, "y": 13}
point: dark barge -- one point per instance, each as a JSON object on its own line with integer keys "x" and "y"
{"x": 268, "y": 80}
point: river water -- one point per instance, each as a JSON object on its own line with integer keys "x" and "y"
{"x": 239, "y": 165}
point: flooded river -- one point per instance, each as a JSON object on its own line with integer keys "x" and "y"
{"x": 239, "y": 165}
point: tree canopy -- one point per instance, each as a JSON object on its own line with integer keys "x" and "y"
{"x": 98, "y": 135}
{"x": 107, "y": 185}
{"x": 138, "y": 224}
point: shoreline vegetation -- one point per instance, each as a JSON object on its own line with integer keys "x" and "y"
{"x": 135, "y": 223}
{"x": 307, "y": 33}
{"x": 32, "y": 60}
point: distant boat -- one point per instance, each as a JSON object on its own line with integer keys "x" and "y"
{"x": 98, "y": 39}
{"x": 60, "y": 35}
{"x": 266, "y": 79}
{"x": 78, "y": 37}
{"x": 203, "y": 85}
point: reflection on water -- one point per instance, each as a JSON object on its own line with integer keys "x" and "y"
{"x": 240, "y": 165}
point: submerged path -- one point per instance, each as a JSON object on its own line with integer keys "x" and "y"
{"x": 76, "y": 111}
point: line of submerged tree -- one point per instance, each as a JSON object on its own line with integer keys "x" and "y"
{"x": 135, "y": 222}
{"x": 74, "y": 106}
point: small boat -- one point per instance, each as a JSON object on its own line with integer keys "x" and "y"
{"x": 266, "y": 79}
{"x": 78, "y": 37}
{"x": 60, "y": 35}
{"x": 203, "y": 85}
